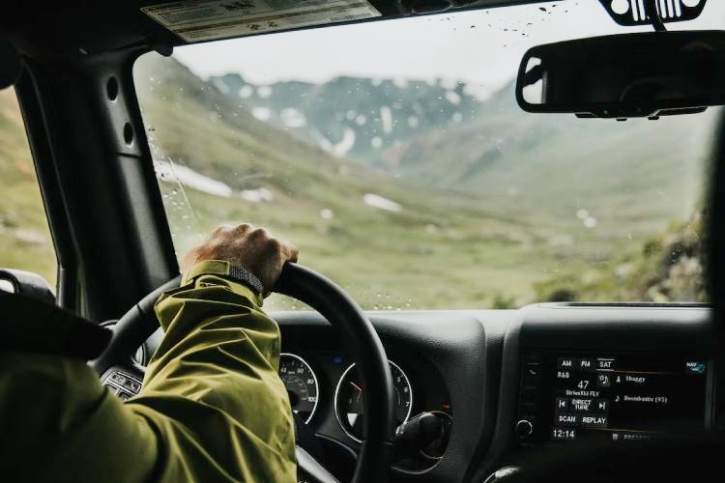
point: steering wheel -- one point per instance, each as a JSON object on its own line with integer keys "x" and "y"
{"x": 315, "y": 290}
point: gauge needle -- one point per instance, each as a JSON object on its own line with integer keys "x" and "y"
{"x": 358, "y": 389}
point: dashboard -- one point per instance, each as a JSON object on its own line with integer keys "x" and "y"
{"x": 502, "y": 383}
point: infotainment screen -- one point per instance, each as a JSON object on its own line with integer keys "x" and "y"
{"x": 618, "y": 398}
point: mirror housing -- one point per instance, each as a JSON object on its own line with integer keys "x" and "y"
{"x": 647, "y": 74}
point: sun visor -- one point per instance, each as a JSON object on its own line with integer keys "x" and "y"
{"x": 198, "y": 21}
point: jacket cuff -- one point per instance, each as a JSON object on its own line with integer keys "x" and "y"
{"x": 224, "y": 270}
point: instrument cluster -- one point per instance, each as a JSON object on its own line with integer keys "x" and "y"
{"x": 326, "y": 396}
{"x": 303, "y": 388}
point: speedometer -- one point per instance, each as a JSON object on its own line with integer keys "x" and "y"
{"x": 301, "y": 383}
{"x": 349, "y": 404}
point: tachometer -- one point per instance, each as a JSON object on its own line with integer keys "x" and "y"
{"x": 349, "y": 406}
{"x": 301, "y": 383}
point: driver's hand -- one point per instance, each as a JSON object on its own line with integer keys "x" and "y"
{"x": 247, "y": 246}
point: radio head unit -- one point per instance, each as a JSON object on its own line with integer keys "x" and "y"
{"x": 627, "y": 397}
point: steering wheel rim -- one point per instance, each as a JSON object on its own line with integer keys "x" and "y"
{"x": 341, "y": 311}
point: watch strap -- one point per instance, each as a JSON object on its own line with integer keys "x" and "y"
{"x": 244, "y": 276}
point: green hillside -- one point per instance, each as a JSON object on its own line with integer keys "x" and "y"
{"x": 633, "y": 175}
{"x": 24, "y": 237}
{"x": 633, "y": 178}
{"x": 459, "y": 240}
{"x": 425, "y": 255}
{"x": 492, "y": 212}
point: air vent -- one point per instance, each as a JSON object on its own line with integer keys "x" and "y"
{"x": 632, "y": 12}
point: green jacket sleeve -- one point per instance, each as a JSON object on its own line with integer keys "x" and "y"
{"x": 212, "y": 408}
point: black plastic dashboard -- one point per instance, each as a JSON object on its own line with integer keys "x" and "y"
{"x": 596, "y": 333}
{"x": 451, "y": 358}
{"x": 473, "y": 365}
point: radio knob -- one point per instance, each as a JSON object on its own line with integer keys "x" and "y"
{"x": 524, "y": 428}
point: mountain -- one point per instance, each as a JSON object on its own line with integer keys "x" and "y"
{"x": 639, "y": 169}
{"x": 219, "y": 163}
{"x": 490, "y": 207}
{"x": 541, "y": 167}
{"x": 354, "y": 117}
{"x": 501, "y": 198}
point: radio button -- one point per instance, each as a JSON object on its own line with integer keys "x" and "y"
{"x": 567, "y": 363}
{"x": 566, "y": 419}
{"x": 604, "y": 380}
{"x": 581, "y": 405}
{"x": 594, "y": 420}
{"x": 524, "y": 428}
{"x": 562, "y": 374}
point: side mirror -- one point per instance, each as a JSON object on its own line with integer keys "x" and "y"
{"x": 26, "y": 283}
{"x": 619, "y": 76}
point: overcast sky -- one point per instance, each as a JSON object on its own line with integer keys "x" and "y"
{"x": 481, "y": 47}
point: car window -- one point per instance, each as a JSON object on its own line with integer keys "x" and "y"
{"x": 394, "y": 154}
{"x": 25, "y": 241}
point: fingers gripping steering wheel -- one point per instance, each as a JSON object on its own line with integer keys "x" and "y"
{"x": 342, "y": 312}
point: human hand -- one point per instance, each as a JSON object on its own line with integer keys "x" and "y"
{"x": 247, "y": 246}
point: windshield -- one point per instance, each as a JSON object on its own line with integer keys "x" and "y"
{"x": 395, "y": 156}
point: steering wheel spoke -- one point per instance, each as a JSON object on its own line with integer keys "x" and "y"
{"x": 309, "y": 469}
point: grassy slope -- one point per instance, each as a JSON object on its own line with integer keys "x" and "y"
{"x": 444, "y": 249}
{"x": 635, "y": 175}
{"x": 471, "y": 247}
{"x": 641, "y": 179}
{"x": 668, "y": 267}
{"x": 441, "y": 250}
{"x": 24, "y": 238}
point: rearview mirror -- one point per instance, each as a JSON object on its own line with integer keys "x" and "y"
{"x": 633, "y": 75}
